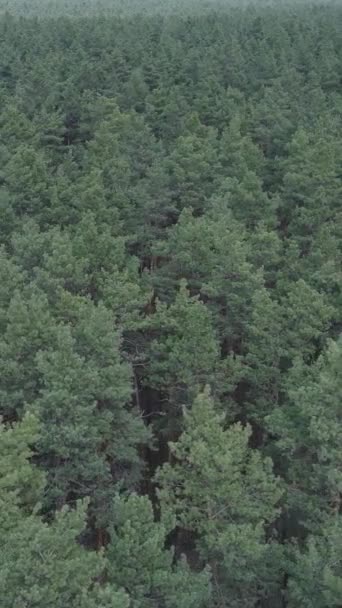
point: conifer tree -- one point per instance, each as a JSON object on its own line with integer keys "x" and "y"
{"x": 223, "y": 493}
{"x": 42, "y": 564}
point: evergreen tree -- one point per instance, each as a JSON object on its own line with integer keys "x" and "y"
{"x": 139, "y": 562}
{"x": 309, "y": 438}
{"x": 316, "y": 571}
{"x": 223, "y": 493}
{"x": 42, "y": 564}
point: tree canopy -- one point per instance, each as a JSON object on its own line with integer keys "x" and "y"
{"x": 170, "y": 304}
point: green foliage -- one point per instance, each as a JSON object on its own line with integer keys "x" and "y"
{"x": 316, "y": 572}
{"x": 139, "y": 561}
{"x": 309, "y": 432}
{"x": 224, "y": 493}
{"x": 211, "y": 253}
{"x": 20, "y": 483}
{"x": 185, "y": 355}
{"x": 170, "y": 187}
{"x": 42, "y": 564}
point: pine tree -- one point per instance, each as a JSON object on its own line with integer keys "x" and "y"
{"x": 89, "y": 444}
{"x": 223, "y": 493}
{"x": 315, "y": 571}
{"x": 139, "y": 562}
{"x": 309, "y": 438}
{"x": 42, "y": 564}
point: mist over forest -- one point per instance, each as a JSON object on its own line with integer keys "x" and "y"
{"x": 77, "y": 8}
{"x": 170, "y": 304}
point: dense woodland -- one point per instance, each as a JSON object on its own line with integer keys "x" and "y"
{"x": 170, "y": 306}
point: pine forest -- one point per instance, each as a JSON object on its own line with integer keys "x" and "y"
{"x": 170, "y": 304}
